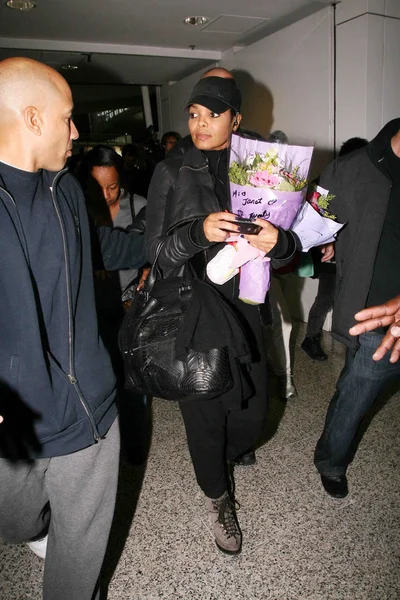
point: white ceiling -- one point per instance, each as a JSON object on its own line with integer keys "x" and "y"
{"x": 140, "y": 41}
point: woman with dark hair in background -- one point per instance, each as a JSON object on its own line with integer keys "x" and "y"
{"x": 109, "y": 204}
{"x": 189, "y": 211}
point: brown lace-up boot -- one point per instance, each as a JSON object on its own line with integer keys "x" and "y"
{"x": 228, "y": 536}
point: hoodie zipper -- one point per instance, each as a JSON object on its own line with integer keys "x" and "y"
{"x": 71, "y": 375}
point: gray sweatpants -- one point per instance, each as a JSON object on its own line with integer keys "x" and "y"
{"x": 80, "y": 489}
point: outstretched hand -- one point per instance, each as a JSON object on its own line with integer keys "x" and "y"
{"x": 382, "y": 316}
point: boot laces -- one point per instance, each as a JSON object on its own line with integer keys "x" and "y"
{"x": 226, "y": 516}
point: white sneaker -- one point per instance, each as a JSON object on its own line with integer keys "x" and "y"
{"x": 39, "y": 547}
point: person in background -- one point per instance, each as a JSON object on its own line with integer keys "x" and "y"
{"x": 59, "y": 435}
{"x": 108, "y": 200}
{"x": 194, "y": 229}
{"x": 278, "y": 137}
{"x": 137, "y": 174}
{"x": 109, "y": 204}
{"x": 324, "y": 269}
{"x": 75, "y": 164}
{"x": 366, "y": 188}
{"x": 169, "y": 139}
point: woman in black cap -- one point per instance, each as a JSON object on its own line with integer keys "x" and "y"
{"x": 188, "y": 208}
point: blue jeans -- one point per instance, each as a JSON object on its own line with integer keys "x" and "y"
{"x": 360, "y": 382}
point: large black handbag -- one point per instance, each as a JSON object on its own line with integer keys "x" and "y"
{"x": 147, "y": 342}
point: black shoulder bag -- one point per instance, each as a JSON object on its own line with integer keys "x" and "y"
{"x": 147, "y": 343}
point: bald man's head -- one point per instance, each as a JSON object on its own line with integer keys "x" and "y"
{"x": 35, "y": 114}
{"x": 218, "y": 72}
{"x": 25, "y": 81}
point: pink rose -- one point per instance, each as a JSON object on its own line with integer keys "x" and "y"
{"x": 264, "y": 179}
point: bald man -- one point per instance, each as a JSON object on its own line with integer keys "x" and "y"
{"x": 59, "y": 438}
{"x": 217, "y": 72}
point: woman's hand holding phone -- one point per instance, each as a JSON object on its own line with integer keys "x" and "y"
{"x": 219, "y": 226}
{"x": 266, "y": 239}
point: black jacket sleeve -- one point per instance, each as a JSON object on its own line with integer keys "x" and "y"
{"x": 285, "y": 248}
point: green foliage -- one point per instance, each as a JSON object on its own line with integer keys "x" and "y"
{"x": 238, "y": 174}
{"x": 286, "y": 186}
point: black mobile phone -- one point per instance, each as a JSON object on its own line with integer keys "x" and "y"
{"x": 247, "y": 227}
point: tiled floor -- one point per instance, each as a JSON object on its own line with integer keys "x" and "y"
{"x": 299, "y": 544}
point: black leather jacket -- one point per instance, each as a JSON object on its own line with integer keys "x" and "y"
{"x": 181, "y": 195}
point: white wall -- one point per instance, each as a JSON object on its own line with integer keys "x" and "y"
{"x": 286, "y": 81}
{"x": 368, "y": 66}
{"x": 391, "y": 69}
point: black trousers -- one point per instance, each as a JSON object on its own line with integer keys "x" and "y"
{"x": 217, "y": 433}
{"x": 322, "y": 304}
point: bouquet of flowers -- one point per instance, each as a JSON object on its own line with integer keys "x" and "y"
{"x": 319, "y": 198}
{"x": 268, "y": 181}
{"x": 314, "y": 224}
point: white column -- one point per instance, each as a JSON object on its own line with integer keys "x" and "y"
{"x": 159, "y": 112}
{"x": 367, "y": 67}
{"x": 146, "y": 106}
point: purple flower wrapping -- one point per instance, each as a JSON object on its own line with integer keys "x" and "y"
{"x": 276, "y": 206}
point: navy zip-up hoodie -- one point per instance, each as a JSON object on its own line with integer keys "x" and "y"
{"x": 73, "y": 402}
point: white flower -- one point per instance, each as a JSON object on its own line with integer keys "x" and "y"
{"x": 249, "y": 159}
{"x": 271, "y": 153}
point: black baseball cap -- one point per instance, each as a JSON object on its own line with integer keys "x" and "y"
{"x": 216, "y": 93}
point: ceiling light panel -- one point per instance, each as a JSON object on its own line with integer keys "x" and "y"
{"x": 234, "y": 24}
{"x": 23, "y": 5}
{"x": 196, "y": 21}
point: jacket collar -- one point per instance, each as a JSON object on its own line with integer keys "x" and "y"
{"x": 51, "y": 177}
{"x": 378, "y": 146}
{"x": 187, "y": 152}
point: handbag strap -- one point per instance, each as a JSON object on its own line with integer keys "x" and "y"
{"x": 185, "y": 290}
{"x": 152, "y": 276}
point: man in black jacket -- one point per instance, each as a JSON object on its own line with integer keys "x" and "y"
{"x": 366, "y": 184}
{"x": 59, "y": 438}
